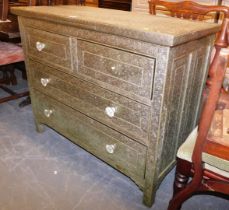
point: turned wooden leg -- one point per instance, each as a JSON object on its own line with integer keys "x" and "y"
{"x": 183, "y": 189}
{"x": 24, "y": 76}
{"x": 5, "y": 77}
{"x": 182, "y": 175}
{"x": 13, "y": 78}
{"x": 23, "y": 70}
{"x": 21, "y": 66}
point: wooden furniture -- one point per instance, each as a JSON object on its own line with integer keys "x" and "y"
{"x": 186, "y": 9}
{"x": 64, "y": 2}
{"x": 10, "y": 54}
{"x": 3, "y": 10}
{"x": 192, "y": 10}
{"x": 8, "y": 23}
{"x": 108, "y": 81}
{"x": 204, "y": 156}
{"x": 116, "y": 4}
{"x": 92, "y": 3}
{"x": 143, "y": 6}
{"x": 9, "y": 30}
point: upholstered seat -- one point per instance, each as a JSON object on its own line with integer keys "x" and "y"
{"x": 211, "y": 163}
{"x": 10, "y": 53}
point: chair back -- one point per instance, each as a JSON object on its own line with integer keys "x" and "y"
{"x": 4, "y": 10}
{"x": 186, "y": 9}
{"x": 216, "y": 74}
{"x": 6, "y": 4}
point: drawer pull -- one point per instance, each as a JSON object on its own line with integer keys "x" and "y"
{"x": 110, "y": 148}
{"x": 110, "y": 111}
{"x": 40, "y": 46}
{"x": 45, "y": 81}
{"x": 48, "y": 112}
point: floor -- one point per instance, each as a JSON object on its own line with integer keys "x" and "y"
{"x": 48, "y": 172}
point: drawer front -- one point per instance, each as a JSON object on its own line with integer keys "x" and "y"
{"x": 118, "y": 70}
{"x": 50, "y": 48}
{"x": 119, "y": 112}
{"x": 119, "y": 151}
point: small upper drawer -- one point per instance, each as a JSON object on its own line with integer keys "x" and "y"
{"x": 116, "y": 69}
{"x": 50, "y": 48}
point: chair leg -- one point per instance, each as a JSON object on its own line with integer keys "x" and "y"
{"x": 5, "y": 77}
{"x": 24, "y": 76}
{"x": 181, "y": 196}
{"x": 25, "y": 102}
{"x": 21, "y": 66}
{"x": 13, "y": 78}
{"x": 182, "y": 175}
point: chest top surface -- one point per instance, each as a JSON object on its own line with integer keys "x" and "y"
{"x": 164, "y": 31}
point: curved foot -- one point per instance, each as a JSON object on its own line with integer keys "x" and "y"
{"x": 179, "y": 198}
{"x": 173, "y": 206}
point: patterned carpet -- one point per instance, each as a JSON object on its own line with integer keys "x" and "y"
{"x": 47, "y": 172}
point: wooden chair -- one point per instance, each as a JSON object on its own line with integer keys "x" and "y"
{"x": 10, "y": 55}
{"x": 186, "y": 9}
{"x": 8, "y": 49}
{"x": 203, "y": 159}
{"x": 3, "y": 10}
{"x": 6, "y": 4}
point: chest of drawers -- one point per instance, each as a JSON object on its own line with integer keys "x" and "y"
{"x": 125, "y": 87}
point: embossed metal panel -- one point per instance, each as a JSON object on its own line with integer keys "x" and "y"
{"x": 126, "y": 155}
{"x": 50, "y": 48}
{"x": 136, "y": 81}
{"x": 129, "y": 117}
{"x": 124, "y": 70}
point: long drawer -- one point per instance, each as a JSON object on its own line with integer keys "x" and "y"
{"x": 119, "y": 112}
{"x": 114, "y": 148}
